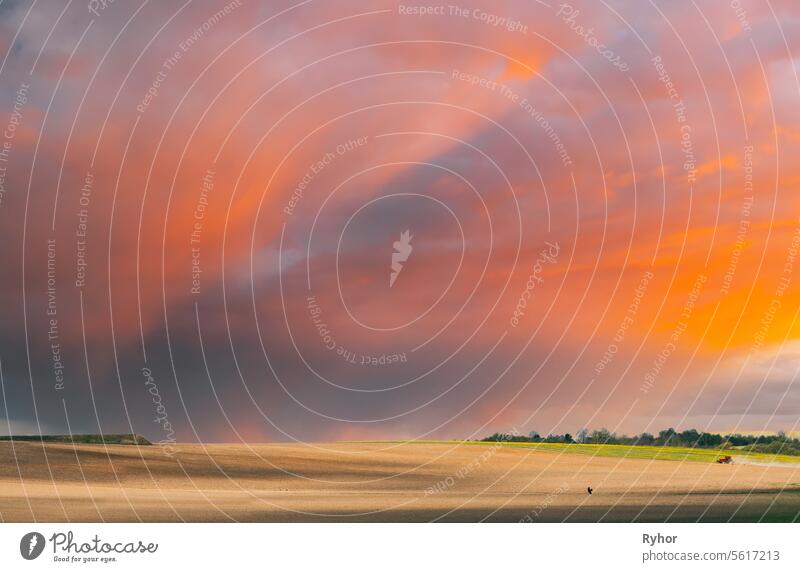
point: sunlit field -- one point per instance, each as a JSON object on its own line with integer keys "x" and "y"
{"x": 392, "y": 482}
{"x": 640, "y": 452}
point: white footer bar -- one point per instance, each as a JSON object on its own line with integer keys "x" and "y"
{"x": 400, "y": 547}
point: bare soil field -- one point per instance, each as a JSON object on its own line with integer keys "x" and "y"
{"x": 379, "y": 482}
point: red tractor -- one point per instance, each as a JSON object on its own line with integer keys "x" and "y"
{"x": 726, "y": 460}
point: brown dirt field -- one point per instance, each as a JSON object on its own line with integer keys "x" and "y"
{"x": 378, "y": 482}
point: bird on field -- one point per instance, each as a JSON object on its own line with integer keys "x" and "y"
{"x": 590, "y": 489}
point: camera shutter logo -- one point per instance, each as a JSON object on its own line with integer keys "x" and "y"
{"x": 402, "y": 251}
{"x": 31, "y": 545}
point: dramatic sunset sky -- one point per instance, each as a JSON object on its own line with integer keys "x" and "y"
{"x": 199, "y": 205}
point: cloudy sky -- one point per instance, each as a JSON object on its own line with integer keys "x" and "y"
{"x": 203, "y": 207}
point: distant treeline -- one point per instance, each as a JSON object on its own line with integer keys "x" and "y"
{"x": 110, "y": 439}
{"x": 777, "y": 443}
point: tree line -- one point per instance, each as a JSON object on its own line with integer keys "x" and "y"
{"x": 776, "y": 443}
